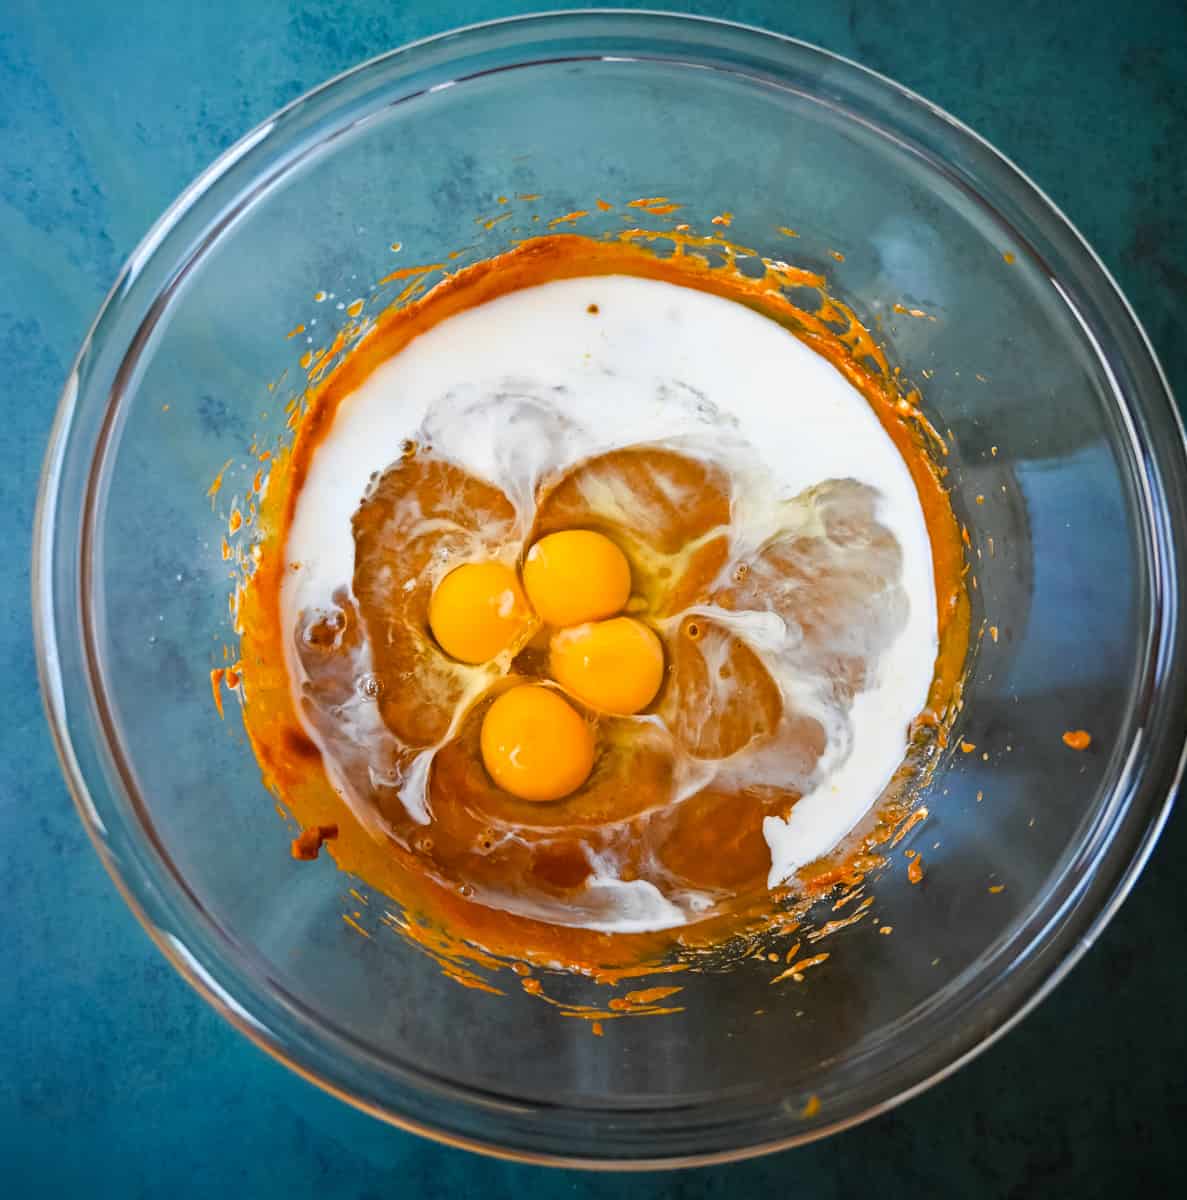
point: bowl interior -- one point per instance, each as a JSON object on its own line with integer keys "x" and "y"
{"x": 1050, "y": 471}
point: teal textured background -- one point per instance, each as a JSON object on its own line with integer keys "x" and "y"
{"x": 115, "y": 1079}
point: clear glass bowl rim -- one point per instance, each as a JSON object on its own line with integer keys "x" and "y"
{"x": 1054, "y": 936}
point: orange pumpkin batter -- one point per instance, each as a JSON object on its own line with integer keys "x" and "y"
{"x": 670, "y": 554}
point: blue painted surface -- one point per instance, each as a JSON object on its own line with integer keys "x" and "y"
{"x": 115, "y": 1079}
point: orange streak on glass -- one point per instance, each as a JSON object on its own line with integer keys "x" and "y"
{"x": 576, "y": 215}
{"x": 217, "y": 483}
{"x": 216, "y": 689}
{"x": 408, "y": 272}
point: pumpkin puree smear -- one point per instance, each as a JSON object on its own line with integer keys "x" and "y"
{"x": 652, "y": 765}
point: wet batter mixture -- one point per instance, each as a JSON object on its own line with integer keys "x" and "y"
{"x": 601, "y": 599}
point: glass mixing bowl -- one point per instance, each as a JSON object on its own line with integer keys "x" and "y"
{"x": 1028, "y": 356}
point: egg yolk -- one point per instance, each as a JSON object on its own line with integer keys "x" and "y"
{"x": 535, "y": 745}
{"x": 576, "y": 576}
{"x": 477, "y": 611}
{"x": 614, "y": 666}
